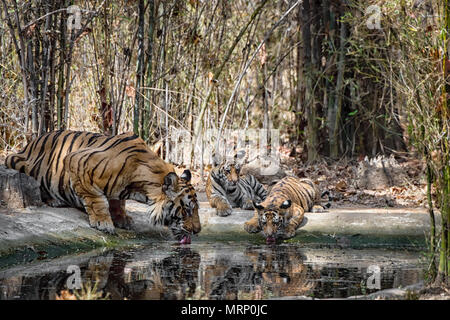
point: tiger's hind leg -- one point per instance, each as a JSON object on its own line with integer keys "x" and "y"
{"x": 252, "y": 191}
{"x": 119, "y": 215}
{"x": 297, "y": 217}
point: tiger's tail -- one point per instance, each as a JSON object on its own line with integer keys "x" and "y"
{"x": 16, "y": 161}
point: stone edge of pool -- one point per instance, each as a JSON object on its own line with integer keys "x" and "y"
{"x": 45, "y": 232}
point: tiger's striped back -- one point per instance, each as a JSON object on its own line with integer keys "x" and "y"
{"x": 43, "y": 159}
{"x": 300, "y": 191}
{"x": 111, "y": 174}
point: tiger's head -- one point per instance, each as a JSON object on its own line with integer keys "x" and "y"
{"x": 228, "y": 170}
{"x": 180, "y": 212}
{"x": 272, "y": 219}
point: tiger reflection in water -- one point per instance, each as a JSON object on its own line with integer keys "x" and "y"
{"x": 270, "y": 272}
{"x": 261, "y": 273}
{"x": 280, "y": 270}
{"x": 172, "y": 277}
{"x": 116, "y": 276}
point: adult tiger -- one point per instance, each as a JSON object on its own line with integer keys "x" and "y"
{"x": 282, "y": 212}
{"x": 226, "y": 189}
{"x": 98, "y": 173}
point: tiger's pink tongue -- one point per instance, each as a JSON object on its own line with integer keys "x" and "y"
{"x": 270, "y": 240}
{"x": 185, "y": 240}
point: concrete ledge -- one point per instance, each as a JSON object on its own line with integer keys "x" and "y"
{"x": 39, "y": 227}
{"x": 46, "y": 232}
{"x": 342, "y": 221}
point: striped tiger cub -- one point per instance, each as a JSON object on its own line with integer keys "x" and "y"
{"x": 98, "y": 173}
{"x": 226, "y": 189}
{"x": 282, "y": 212}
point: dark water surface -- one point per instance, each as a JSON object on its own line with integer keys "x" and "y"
{"x": 207, "y": 270}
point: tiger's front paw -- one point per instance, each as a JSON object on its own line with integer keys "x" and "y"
{"x": 224, "y": 212}
{"x": 223, "y": 207}
{"x": 289, "y": 233}
{"x": 317, "y": 208}
{"x": 251, "y": 227}
{"x": 247, "y": 204}
{"x": 104, "y": 225}
{"x": 124, "y": 222}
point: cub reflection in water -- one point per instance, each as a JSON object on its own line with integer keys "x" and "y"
{"x": 266, "y": 272}
{"x": 280, "y": 270}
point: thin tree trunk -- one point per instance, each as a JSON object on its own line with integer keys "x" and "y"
{"x": 33, "y": 87}
{"x": 139, "y": 70}
{"x": 61, "y": 76}
{"x": 46, "y": 47}
{"x": 300, "y": 79}
{"x": 432, "y": 221}
{"x": 166, "y": 122}
{"x": 335, "y": 116}
{"x": 444, "y": 174}
{"x": 52, "y": 79}
{"x": 310, "y": 108}
{"x": 149, "y": 69}
{"x": 65, "y": 122}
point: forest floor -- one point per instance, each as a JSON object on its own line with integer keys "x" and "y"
{"x": 342, "y": 179}
{"x": 434, "y": 293}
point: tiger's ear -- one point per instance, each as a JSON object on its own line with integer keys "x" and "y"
{"x": 170, "y": 185}
{"x": 258, "y": 206}
{"x": 286, "y": 204}
{"x": 186, "y": 175}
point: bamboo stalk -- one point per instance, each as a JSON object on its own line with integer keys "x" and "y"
{"x": 432, "y": 220}
{"x": 139, "y": 69}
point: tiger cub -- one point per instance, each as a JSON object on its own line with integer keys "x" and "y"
{"x": 226, "y": 189}
{"x": 98, "y": 173}
{"x": 281, "y": 213}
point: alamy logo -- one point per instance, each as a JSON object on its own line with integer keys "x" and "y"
{"x": 74, "y": 280}
{"x": 374, "y": 19}
{"x": 74, "y": 20}
{"x": 374, "y": 280}
{"x": 260, "y": 146}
